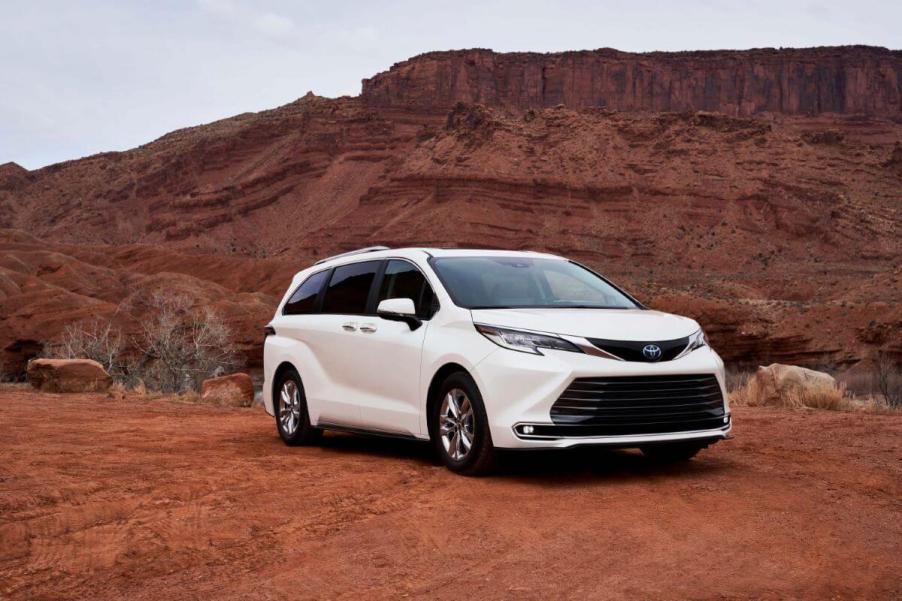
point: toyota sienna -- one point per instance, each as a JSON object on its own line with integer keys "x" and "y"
{"x": 478, "y": 350}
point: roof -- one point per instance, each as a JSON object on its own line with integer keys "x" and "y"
{"x": 381, "y": 252}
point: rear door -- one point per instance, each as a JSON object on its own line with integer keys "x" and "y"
{"x": 336, "y": 342}
{"x": 390, "y": 353}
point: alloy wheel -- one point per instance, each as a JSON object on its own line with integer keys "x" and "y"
{"x": 289, "y": 407}
{"x": 457, "y": 424}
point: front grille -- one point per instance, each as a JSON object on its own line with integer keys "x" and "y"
{"x": 639, "y": 405}
{"x": 632, "y": 351}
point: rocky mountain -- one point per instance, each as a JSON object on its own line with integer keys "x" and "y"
{"x": 774, "y": 223}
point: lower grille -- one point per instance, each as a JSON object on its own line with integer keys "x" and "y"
{"x": 640, "y": 405}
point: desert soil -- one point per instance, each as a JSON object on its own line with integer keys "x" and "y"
{"x": 152, "y": 499}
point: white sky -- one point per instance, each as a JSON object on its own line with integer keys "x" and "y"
{"x": 82, "y": 77}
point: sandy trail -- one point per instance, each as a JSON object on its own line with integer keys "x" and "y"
{"x": 149, "y": 499}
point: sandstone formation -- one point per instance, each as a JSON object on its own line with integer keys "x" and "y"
{"x": 778, "y": 232}
{"x": 233, "y": 389}
{"x": 68, "y": 375}
{"x": 808, "y": 81}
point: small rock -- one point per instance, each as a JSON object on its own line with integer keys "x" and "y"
{"x": 233, "y": 389}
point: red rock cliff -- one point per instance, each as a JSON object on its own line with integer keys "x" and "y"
{"x": 849, "y": 79}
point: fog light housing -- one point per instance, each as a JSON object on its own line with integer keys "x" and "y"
{"x": 528, "y": 430}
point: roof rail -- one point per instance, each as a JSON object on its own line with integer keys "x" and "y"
{"x": 359, "y": 251}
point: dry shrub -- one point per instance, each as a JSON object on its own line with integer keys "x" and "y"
{"x": 821, "y": 397}
{"x": 117, "y": 391}
{"x": 738, "y": 389}
{"x": 191, "y": 397}
{"x": 182, "y": 345}
{"x": 95, "y": 339}
{"x": 887, "y": 380}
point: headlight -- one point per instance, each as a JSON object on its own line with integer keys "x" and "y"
{"x": 525, "y": 342}
{"x": 697, "y": 340}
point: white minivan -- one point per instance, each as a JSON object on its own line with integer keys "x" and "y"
{"x": 478, "y": 350}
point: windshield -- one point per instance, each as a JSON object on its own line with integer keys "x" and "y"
{"x": 518, "y": 282}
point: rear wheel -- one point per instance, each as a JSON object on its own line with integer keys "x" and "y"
{"x": 673, "y": 452}
{"x": 460, "y": 428}
{"x": 290, "y": 408}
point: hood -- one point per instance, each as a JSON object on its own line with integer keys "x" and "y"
{"x": 611, "y": 324}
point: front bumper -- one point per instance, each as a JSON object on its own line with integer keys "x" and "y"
{"x": 519, "y": 389}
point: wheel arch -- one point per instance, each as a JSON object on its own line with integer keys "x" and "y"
{"x": 432, "y": 392}
{"x": 283, "y": 367}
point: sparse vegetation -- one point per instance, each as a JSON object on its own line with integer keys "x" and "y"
{"x": 178, "y": 347}
{"x": 744, "y": 392}
{"x": 887, "y": 381}
{"x": 95, "y": 339}
{"x": 877, "y": 390}
{"x": 182, "y": 345}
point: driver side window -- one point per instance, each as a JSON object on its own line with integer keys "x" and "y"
{"x": 404, "y": 280}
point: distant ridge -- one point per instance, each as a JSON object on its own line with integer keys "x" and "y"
{"x": 807, "y": 81}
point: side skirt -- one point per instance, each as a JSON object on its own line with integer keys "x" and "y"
{"x": 366, "y": 432}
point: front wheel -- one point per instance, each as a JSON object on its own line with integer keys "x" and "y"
{"x": 673, "y": 452}
{"x": 290, "y": 408}
{"x": 459, "y": 427}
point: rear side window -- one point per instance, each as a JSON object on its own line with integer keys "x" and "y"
{"x": 349, "y": 288}
{"x": 303, "y": 300}
{"x": 403, "y": 280}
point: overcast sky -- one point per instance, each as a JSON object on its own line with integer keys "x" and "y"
{"x": 80, "y": 77}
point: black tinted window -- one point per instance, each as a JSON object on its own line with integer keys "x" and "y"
{"x": 304, "y": 298}
{"x": 349, "y": 288}
{"x": 403, "y": 280}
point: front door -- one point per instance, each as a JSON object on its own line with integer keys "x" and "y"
{"x": 390, "y": 354}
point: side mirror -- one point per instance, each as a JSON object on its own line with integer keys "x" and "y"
{"x": 399, "y": 309}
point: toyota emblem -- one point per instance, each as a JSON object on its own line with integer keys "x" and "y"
{"x": 652, "y": 352}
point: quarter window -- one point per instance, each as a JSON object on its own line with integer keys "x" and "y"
{"x": 404, "y": 280}
{"x": 304, "y": 298}
{"x": 349, "y": 288}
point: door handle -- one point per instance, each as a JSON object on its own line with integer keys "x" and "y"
{"x": 369, "y": 328}
{"x": 349, "y": 326}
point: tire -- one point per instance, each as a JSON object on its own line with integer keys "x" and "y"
{"x": 294, "y": 426}
{"x": 674, "y": 452}
{"x": 471, "y": 424}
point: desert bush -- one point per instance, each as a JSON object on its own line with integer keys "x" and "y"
{"x": 821, "y": 397}
{"x": 887, "y": 381}
{"x": 876, "y": 384}
{"x": 181, "y": 345}
{"x": 95, "y": 339}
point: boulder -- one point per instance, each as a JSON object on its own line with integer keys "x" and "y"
{"x": 783, "y": 385}
{"x": 233, "y": 389}
{"x": 68, "y": 375}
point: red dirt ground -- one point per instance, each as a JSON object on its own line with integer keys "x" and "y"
{"x": 150, "y": 499}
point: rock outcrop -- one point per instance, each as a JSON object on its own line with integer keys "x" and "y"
{"x": 68, "y": 375}
{"x": 809, "y": 81}
{"x": 234, "y": 389}
{"x": 788, "y": 385}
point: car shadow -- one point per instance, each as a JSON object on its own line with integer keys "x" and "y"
{"x": 539, "y": 466}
